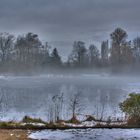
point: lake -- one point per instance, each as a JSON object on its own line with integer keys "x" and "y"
{"x": 31, "y": 95}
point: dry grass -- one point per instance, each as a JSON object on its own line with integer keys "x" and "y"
{"x": 28, "y": 119}
{"x": 73, "y": 120}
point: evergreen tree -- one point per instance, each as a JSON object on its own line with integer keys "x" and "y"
{"x": 55, "y": 58}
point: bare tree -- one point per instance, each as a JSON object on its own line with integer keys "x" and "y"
{"x": 136, "y": 49}
{"x": 6, "y": 43}
{"x": 28, "y": 48}
{"x": 104, "y": 52}
{"x": 58, "y": 103}
{"x": 3, "y": 103}
{"x": 127, "y": 56}
{"x": 93, "y": 54}
{"x": 102, "y": 110}
{"x": 75, "y": 105}
{"x": 79, "y": 54}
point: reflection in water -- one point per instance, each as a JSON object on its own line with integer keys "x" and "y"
{"x": 32, "y": 96}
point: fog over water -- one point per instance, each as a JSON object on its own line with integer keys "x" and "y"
{"x": 31, "y": 95}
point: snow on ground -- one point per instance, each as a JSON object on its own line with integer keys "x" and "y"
{"x": 93, "y": 123}
{"x": 88, "y": 134}
{"x": 34, "y": 124}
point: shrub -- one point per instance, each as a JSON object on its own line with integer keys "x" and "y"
{"x": 90, "y": 118}
{"x": 73, "y": 120}
{"x": 131, "y": 106}
{"x": 28, "y": 119}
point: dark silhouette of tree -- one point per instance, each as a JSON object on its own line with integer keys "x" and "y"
{"x": 118, "y": 39}
{"x": 78, "y": 56}
{"x": 6, "y": 45}
{"x": 45, "y": 58}
{"x": 28, "y": 51}
{"x": 75, "y": 105}
{"x": 118, "y": 36}
{"x": 58, "y": 101}
{"x": 28, "y": 48}
{"x": 136, "y": 49}
{"x": 126, "y": 53}
{"x": 93, "y": 54}
{"x": 55, "y": 58}
{"x": 104, "y": 52}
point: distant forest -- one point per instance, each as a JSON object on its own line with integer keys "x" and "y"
{"x": 27, "y": 52}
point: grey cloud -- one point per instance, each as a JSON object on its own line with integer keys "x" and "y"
{"x": 68, "y": 20}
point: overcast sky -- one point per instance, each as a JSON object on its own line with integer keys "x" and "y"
{"x": 61, "y": 22}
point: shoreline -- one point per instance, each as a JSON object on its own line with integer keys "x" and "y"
{"x": 67, "y": 128}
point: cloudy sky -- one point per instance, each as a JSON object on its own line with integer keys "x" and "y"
{"x": 60, "y": 22}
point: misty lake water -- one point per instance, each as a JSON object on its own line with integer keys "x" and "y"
{"x": 24, "y": 95}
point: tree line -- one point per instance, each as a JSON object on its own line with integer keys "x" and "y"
{"x": 28, "y": 52}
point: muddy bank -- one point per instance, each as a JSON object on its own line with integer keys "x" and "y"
{"x": 14, "y": 134}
